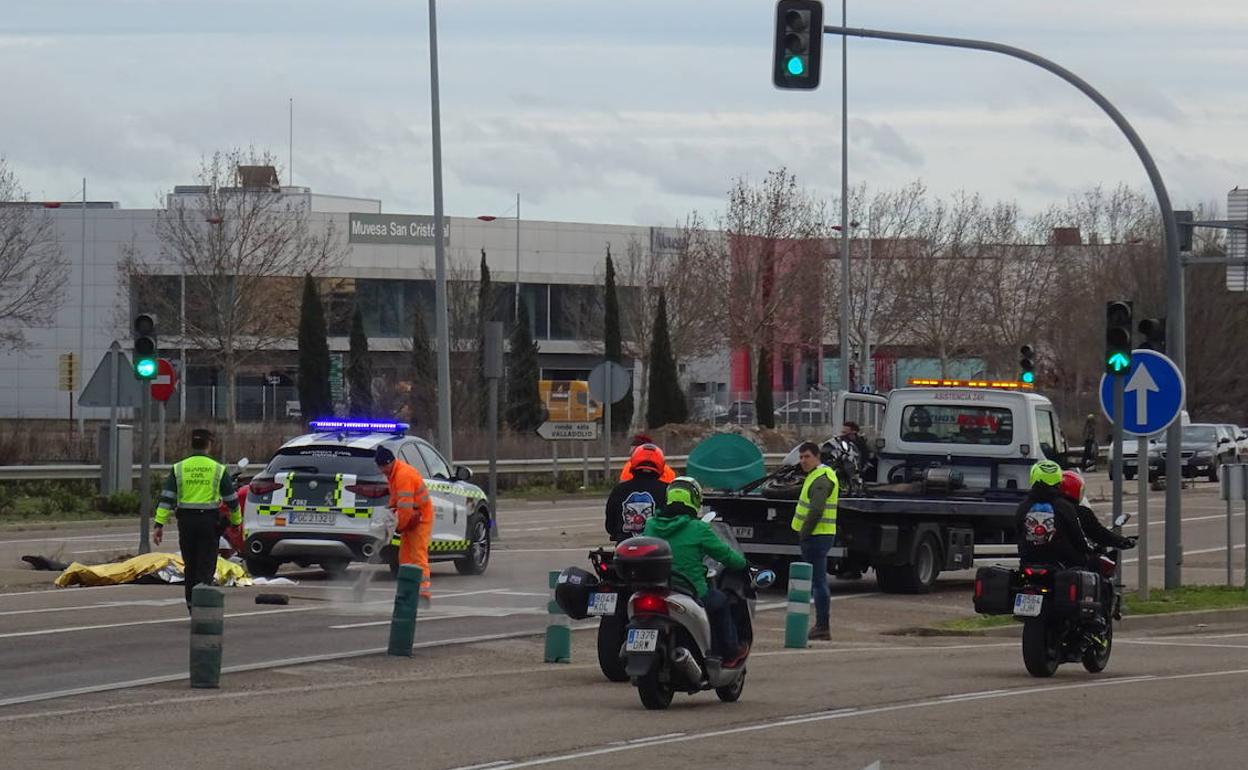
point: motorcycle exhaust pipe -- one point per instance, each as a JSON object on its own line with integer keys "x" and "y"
{"x": 368, "y": 549}
{"x": 686, "y": 665}
{"x": 256, "y": 546}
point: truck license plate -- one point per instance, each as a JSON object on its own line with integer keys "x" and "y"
{"x": 745, "y": 533}
{"x": 1028, "y": 605}
{"x": 312, "y": 517}
{"x": 642, "y": 640}
{"x": 603, "y": 603}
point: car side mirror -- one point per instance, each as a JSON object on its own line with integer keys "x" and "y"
{"x": 463, "y": 473}
{"x": 1223, "y": 440}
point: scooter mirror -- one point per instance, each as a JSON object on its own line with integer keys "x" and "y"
{"x": 765, "y": 579}
{"x": 243, "y": 463}
{"x": 709, "y": 516}
{"x": 1121, "y": 519}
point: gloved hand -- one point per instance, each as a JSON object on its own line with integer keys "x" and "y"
{"x": 1128, "y": 543}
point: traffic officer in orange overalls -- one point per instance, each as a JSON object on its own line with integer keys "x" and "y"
{"x": 409, "y": 498}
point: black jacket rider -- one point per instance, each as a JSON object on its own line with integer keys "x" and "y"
{"x": 632, "y": 502}
{"x": 1069, "y": 545}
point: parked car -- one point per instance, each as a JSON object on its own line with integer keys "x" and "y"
{"x": 1241, "y": 441}
{"x": 741, "y": 413}
{"x": 706, "y": 410}
{"x": 806, "y": 411}
{"x": 1205, "y": 447}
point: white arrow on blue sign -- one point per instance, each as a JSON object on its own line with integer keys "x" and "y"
{"x": 1153, "y": 394}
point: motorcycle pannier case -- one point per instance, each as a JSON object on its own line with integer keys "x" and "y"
{"x": 994, "y": 593}
{"x": 644, "y": 561}
{"x": 572, "y": 591}
{"x": 1076, "y": 594}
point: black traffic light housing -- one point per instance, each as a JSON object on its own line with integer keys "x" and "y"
{"x": 1154, "y": 331}
{"x": 1184, "y": 220}
{"x": 799, "y": 44}
{"x": 1118, "y": 336}
{"x": 1027, "y": 364}
{"x": 145, "y": 352}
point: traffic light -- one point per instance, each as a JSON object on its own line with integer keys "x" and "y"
{"x": 1154, "y": 331}
{"x": 1117, "y": 336}
{"x": 1027, "y": 364}
{"x": 1184, "y": 220}
{"x": 145, "y": 346}
{"x": 799, "y": 44}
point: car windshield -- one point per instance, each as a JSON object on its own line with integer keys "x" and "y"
{"x": 1199, "y": 434}
{"x": 957, "y": 424}
{"x": 324, "y": 459}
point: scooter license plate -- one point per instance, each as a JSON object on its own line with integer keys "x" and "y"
{"x": 642, "y": 640}
{"x": 603, "y": 603}
{"x": 1028, "y": 605}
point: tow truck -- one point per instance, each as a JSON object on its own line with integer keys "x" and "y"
{"x": 952, "y": 466}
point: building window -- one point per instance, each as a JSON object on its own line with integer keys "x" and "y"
{"x": 575, "y": 312}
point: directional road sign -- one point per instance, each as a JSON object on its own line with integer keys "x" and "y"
{"x": 164, "y": 381}
{"x": 568, "y": 431}
{"x": 610, "y": 382}
{"x": 1154, "y": 394}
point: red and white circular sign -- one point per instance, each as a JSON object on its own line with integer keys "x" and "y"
{"x": 164, "y": 381}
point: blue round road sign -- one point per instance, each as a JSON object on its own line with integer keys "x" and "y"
{"x": 1153, "y": 394}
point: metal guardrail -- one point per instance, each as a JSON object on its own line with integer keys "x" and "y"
{"x": 478, "y": 467}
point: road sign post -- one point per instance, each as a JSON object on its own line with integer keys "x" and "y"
{"x": 1144, "y": 468}
{"x": 1235, "y": 489}
{"x": 608, "y": 382}
{"x": 1148, "y": 396}
{"x": 493, "y": 372}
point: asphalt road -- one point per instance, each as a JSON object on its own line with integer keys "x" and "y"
{"x": 57, "y": 642}
{"x": 1166, "y": 701}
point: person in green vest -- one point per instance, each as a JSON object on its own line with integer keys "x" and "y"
{"x": 194, "y": 491}
{"x": 814, "y": 520}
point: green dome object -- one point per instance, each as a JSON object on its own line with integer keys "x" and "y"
{"x": 726, "y": 461}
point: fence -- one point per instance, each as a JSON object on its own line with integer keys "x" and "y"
{"x": 791, "y": 408}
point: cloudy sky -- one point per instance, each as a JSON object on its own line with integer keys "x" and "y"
{"x": 628, "y": 111}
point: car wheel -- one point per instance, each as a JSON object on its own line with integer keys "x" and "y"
{"x": 335, "y": 568}
{"x": 1213, "y": 472}
{"x": 1128, "y": 475}
{"x": 262, "y": 566}
{"x": 478, "y": 558}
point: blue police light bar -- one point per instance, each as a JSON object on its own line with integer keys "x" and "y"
{"x": 366, "y": 426}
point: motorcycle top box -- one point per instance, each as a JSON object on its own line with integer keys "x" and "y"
{"x": 644, "y": 561}
{"x": 994, "y": 590}
{"x": 573, "y": 590}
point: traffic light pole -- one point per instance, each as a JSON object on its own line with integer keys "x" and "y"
{"x": 145, "y": 467}
{"x": 1116, "y": 459}
{"x": 1174, "y": 267}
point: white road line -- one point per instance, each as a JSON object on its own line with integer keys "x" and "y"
{"x": 100, "y": 606}
{"x": 455, "y": 612}
{"x": 1161, "y": 522}
{"x": 57, "y": 538}
{"x": 598, "y": 519}
{"x": 1219, "y": 549}
{"x": 102, "y": 626}
{"x": 782, "y": 722}
{"x": 510, "y": 530}
{"x": 102, "y": 550}
{"x": 1151, "y": 643}
{"x": 583, "y": 549}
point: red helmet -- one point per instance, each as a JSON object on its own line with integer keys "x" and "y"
{"x": 1071, "y": 486}
{"x": 648, "y": 457}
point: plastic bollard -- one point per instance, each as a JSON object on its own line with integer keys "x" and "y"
{"x": 406, "y": 600}
{"x": 558, "y": 634}
{"x": 207, "y": 626}
{"x": 797, "y": 616}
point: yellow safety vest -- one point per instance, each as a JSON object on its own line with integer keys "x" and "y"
{"x": 199, "y": 483}
{"x": 827, "y": 522}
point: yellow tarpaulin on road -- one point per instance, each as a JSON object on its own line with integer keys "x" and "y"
{"x": 163, "y": 566}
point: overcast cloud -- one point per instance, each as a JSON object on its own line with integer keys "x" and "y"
{"x": 628, "y": 112}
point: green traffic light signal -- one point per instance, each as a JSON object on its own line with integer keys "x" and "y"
{"x": 1118, "y": 362}
{"x": 796, "y": 66}
{"x": 1029, "y": 377}
{"x": 145, "y": 368}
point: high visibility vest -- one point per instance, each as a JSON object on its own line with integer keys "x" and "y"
{"x": 199, "y": 483}
{"x": 827, "y": 523}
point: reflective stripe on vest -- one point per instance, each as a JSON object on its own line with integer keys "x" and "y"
{"x": 827, "y": 522}
{"x": 199, "y": 483}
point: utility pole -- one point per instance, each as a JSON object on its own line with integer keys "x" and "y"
{"x": 845, "y": 384}
{"x": 439, "y": 250}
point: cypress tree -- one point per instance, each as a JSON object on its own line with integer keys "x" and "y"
{"x": 613, "y": 347}
{"x": 423, "y": 377}
{"x": 524, "y": 400}
{"x": 764, "y": 406}
{"x": 666, "y": 400}
{"x": 487, "y": 310}
{"x": 359, "y": 370}
{"x": 315, "y": 396}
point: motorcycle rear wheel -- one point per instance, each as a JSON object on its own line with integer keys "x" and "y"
{"x": 1095, "y": 660}
{"x": 611, "y": 633}
{"x": 655, "y": 695}
{"x": 732, "y": 693}
{"x": 1040, "y": 653}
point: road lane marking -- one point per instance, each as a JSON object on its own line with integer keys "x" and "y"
{"x": 780, "y": 722}
{"x": 101, "y": 626}
{"x": 56, "y": 538}
{"x": 1152, "y": 643}
{"x": 455, "y": 612}
{"x": 100, "y": 606}
{"x": 1219, "y": 549}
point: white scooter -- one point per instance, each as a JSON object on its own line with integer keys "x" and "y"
{"x": 668, "y": 641}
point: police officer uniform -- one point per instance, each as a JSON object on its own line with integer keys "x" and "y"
{"x": 195, "y": 489}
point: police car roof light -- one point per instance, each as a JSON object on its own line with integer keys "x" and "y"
{"x": 360, "y": 426}
{"x": 997, "y": 384}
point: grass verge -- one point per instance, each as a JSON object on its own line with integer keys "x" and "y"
{"x": 1186, "y": 599}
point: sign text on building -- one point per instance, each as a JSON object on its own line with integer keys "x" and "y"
{"x": 401, "y": 229}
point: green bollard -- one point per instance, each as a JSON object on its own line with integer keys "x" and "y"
{"x": 207, "y": 625}
{"x": 558, "y": 634}
{"x": 797, "y": 617}
{"x": 406, "y": 600}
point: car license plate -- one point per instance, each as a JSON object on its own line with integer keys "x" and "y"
{"x": 642, "y": 640}
{"x": 603, "y": 603}
{"x": 312, "y": 517}
{"x": 1028, "y": 605}
{"x": 743, "y": 532}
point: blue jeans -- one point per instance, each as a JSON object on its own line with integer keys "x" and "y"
{"x": 723, "y": 630}
{"x": 815, "y": 550}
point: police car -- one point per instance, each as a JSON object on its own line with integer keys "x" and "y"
{"x": 323, "y": 500}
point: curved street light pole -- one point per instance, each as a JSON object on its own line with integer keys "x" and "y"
{"x": 1175, "y": 341}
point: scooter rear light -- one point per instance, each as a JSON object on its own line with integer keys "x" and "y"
{"x": 262, "y": 486}
{"x": 650, "y": 604}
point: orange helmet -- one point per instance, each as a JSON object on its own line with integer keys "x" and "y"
{"x": 1072, "y": 486}
{"x": 648, "y": 457}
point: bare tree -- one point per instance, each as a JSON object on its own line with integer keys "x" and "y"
{"x": 765, "y": 272}
{"x": 32, "y": 268}
{"x": 241, "y": 245}
{"x": 463, "y": 317}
